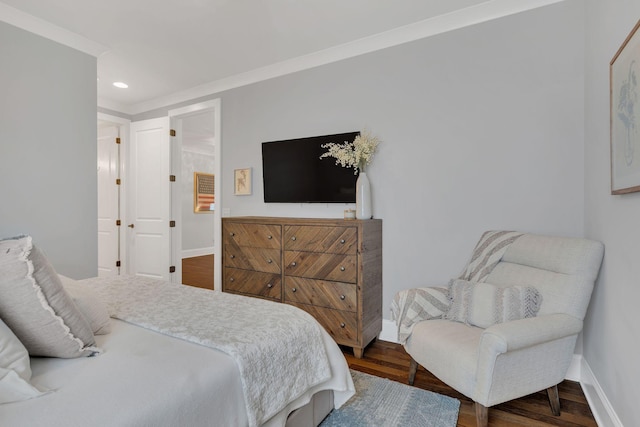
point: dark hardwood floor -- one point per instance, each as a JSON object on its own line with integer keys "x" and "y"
{"x": 198, "y": 271}
{"x": 389, "y": 360}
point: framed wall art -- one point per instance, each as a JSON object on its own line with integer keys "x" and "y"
{"x": 242, "y": 182}
{"x": 624, "y": 76}
{"x": 203, "y": 192}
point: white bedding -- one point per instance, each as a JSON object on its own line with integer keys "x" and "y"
{"x": 145, "y": 378}
{"x": 142, "y": 379}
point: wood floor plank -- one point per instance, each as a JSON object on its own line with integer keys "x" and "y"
{"x": 198, "y": 271}
{"x": 389, "y": 360}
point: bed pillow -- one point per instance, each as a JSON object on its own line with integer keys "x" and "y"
{"x": 484, "y": 304}
{"x": 36, "y": 307}
{"x": 15, "y": 369}
{"x": 89, "y": 305}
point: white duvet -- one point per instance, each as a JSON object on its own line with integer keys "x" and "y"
{"x": 279, "y": 349}
{"x": 147, "y": 378}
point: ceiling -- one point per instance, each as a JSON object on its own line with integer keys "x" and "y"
{"x": 168, "y": 51}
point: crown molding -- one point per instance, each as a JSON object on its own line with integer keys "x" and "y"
{"x": 483, "y": 12}
{"x": 38, "y": 26}
{"x": 113, "y": 105}
{"x": 472, "y": 15}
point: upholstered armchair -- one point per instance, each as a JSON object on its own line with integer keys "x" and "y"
{"x": 542, "y": 282}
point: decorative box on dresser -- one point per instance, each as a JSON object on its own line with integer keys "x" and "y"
{"x": 331, "y": 268}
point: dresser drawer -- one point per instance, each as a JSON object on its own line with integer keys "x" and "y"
{"x": 321, "y": 293}
{"x": 252, "y": 235}
{"x": 339, "y": 268}
{"x": 258, "y": 259}
{"x": 325, "y": 239}
{"x": 264, "y": 285}
{"x": 341, "y": 325}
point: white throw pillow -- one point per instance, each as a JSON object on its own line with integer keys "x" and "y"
{"x": 484, "y": 304}
{"x": 15, "y": 369}
{"x": 36, "y": 307}
{"x": 89, "y": 305}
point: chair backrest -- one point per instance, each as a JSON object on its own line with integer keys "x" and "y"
{"x": 562, "y": 269}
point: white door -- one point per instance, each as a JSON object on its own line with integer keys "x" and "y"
{"x": 149, "y": 199}
{"x": 108, "y": 200}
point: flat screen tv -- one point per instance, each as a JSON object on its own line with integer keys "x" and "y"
{"x": 293, "y": 172}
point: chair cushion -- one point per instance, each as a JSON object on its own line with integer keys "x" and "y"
{"x": 484, "y": 304}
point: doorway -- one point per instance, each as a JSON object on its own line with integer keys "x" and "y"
{"x": 195, "y": 201}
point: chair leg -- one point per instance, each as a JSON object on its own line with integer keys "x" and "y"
{"x": 554, "y": 400}
{"x": 482, "y": 415}
{"x": 413, "y": 368}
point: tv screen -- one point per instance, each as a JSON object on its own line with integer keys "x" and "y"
{"x": 293, "y": 172}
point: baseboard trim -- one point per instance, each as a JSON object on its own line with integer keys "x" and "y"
{"x": 389, "y": 331}
{"x": 190, "y": 253}
{"x": 600, "y": 406}
{"x": 579, "y": 370}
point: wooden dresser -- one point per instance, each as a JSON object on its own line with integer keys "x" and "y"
{"x": 330, "y": 268}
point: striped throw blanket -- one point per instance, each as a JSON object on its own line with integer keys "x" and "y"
{"x": 415, "y": 305}
{"x": 487, "y": 253}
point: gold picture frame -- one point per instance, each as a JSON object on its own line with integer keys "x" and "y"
{"x": 624, "y": 110}
{"x": 242, "y": 182}
{"x": 204, "y": 197}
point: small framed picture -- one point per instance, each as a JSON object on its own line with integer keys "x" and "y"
{"x": 242, "y": 182}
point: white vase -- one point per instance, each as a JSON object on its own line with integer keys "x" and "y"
{"x": 363, "y": 197}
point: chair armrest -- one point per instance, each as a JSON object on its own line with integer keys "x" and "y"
{"x": 524, "y": 333}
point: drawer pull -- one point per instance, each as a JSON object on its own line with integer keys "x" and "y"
{"x": 233, "y": 256}
{"x": 342, "y": 325}
{"x": 232, "y": 279}
{"x": 342, "y": 241}
{"x": 293, "y": 238}
{"x": 342, "y": 268}
{"x": 232, "y": 234}
{"x": 269, "y": 261}
{"x": 269, "y": 237}
{"x": 293, "y": 264}
{"x": 269, "y": 285}
{"x": 293, "y": 289}
{"x": 342, "y": 297}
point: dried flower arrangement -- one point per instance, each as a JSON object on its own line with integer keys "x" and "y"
{"x": 356, "y": 154}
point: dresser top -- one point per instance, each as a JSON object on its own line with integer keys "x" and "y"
{"x": 301, "y": 221}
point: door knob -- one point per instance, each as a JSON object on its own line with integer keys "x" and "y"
{"x": 131, "y": 226}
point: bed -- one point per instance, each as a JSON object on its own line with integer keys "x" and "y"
{"x": 173, "y": 355}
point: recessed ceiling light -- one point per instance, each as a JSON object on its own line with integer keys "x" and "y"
{"x": 121, "y": 85}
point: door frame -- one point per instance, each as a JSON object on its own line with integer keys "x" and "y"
{"x": 176, "y": 193}
{"x": 124, "y": 125}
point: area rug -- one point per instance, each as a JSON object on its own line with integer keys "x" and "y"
{"x": 379, "y": 402}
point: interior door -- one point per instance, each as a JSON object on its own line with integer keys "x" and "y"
{"x": 150, "y": 201}
{"x": 108, "y": 200}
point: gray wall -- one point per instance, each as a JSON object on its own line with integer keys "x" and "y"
{"x": 482, "y": 129}
{"x": 612, "y": 329}
{"x": 48, "y": 148}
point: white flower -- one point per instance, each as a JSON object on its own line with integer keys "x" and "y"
{"x": 356, "y": 154}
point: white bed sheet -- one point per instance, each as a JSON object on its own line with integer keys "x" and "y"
{"x": 144, "y": 378}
